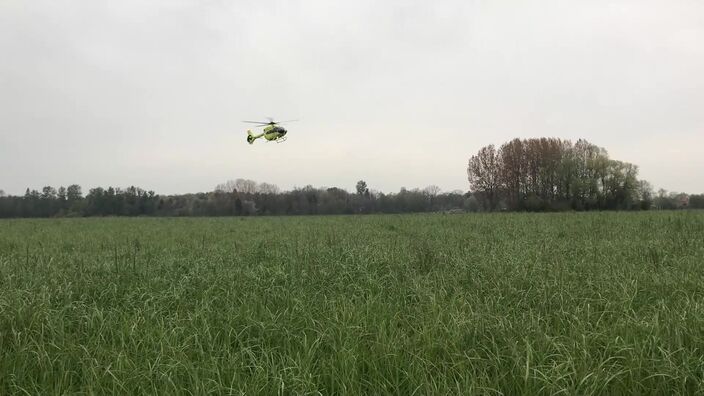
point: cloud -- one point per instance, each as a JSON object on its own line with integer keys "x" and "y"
{"x": 400, "y": 93}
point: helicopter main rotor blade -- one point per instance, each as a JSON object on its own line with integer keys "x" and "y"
{"x": 271, "y": 122}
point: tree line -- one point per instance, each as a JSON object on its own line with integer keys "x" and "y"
{"x": 241, "y": 197}
{"x": 545, "y": 174}
{"x": 548, "y": 174}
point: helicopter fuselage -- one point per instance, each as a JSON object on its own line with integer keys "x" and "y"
{"x": 274, "y": 132}
{"x": 270, "y": 133}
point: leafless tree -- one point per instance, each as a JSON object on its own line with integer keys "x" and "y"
{"x": 484, "y": 174}
{"x": 432, "y": 190}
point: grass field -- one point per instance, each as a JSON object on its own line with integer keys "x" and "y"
{"x": 586, "y": 303}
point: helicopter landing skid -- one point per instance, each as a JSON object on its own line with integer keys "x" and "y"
{"x": 281, "y": 139}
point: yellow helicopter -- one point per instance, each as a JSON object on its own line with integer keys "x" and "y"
{"x": 272, "y": 131}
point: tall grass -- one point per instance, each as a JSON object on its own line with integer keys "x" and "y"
{"x": 590, "y": 303}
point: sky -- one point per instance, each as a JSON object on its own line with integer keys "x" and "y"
{"x": 399, "y": 93}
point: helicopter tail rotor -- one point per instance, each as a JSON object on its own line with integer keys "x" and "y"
{"x": 250, "y": 137}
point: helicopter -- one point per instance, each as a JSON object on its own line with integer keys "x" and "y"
{"x": 272, "y": 131}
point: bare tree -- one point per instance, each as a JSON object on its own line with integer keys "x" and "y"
{"x": 267, "y": 188}
{"x": 244, "y": 186}
{"x": 484, "y": 175}
{"x": 513, "y": 170}
{"x": 645, "y": 194}
{"x": 227, "y": 187}
{"x": 432, "y": 190}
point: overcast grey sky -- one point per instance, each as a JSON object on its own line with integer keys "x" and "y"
{"x": 398, "y": 93}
